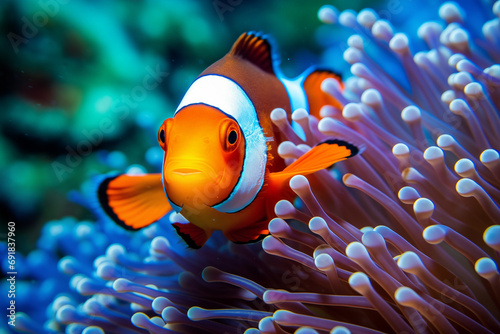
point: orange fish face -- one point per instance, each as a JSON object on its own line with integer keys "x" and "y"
{"x": 204, "y": 153}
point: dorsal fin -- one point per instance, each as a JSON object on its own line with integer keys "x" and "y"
{"x": 257, "y": 49}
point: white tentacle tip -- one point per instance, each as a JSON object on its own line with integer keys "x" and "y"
{"x": 400, "y": 150}
{"x": 423, "y": 208}
{"x": 299, "y": 182}
{"x": 489, "y": 156}
{"x": 491, "y": 237}
{"x": 433, "y": 154}
{"x": 359, "y": 282}
{"x": 284, "y": 209}
{"x": 278, "y": 114}
{"x": 317, "y": 224}
{"x": 434, "y": 234}
{"x": 465, "y": 168}
{"x": 450, "y": 11}
{"x": 446, "y": 141}
{"x": 467, "y": 187}
{"x": 328, "y": 14}
{"x": 323, "y": 262}
{"x": 411, "y": 114}
{"x": 352, "y": 112}
{"x": 406, "y": 296}
{"x": 357, "y": 251}
{"x": 410, "y": 262}
{"x": 486, "y": 268}
{"x": 399, "y": 43}
{"x": 408, "y": 195}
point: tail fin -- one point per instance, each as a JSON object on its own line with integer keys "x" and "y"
{"x": 316, "y": 98}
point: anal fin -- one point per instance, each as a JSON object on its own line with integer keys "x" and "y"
{"x": 194, "y": 236}
{"x": 248, "y": 234}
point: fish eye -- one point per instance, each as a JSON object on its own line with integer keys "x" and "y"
{"x": 162, "y": 136}
{"x": 233, "y": 136}
{"x": 229, "y": 135}
{"x": 163, "y": 133}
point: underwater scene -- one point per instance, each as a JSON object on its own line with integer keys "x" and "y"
{"x": 236, "y": 166}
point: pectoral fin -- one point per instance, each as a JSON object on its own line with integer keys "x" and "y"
{"x": 319, "y": 157}
{"x": 134, "y": 201}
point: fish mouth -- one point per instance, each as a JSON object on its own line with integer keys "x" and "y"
{"x": 183, "y": 167}
{"x": 186, "y": 171}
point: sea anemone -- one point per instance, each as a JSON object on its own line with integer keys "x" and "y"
{"x": 402, "y": 238}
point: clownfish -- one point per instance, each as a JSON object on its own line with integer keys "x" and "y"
{"x": 221, "y": 170}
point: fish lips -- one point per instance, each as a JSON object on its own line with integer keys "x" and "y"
{"x": 189, "y": 181}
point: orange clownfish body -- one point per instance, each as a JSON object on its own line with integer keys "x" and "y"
{"x": 221, "y": 169}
